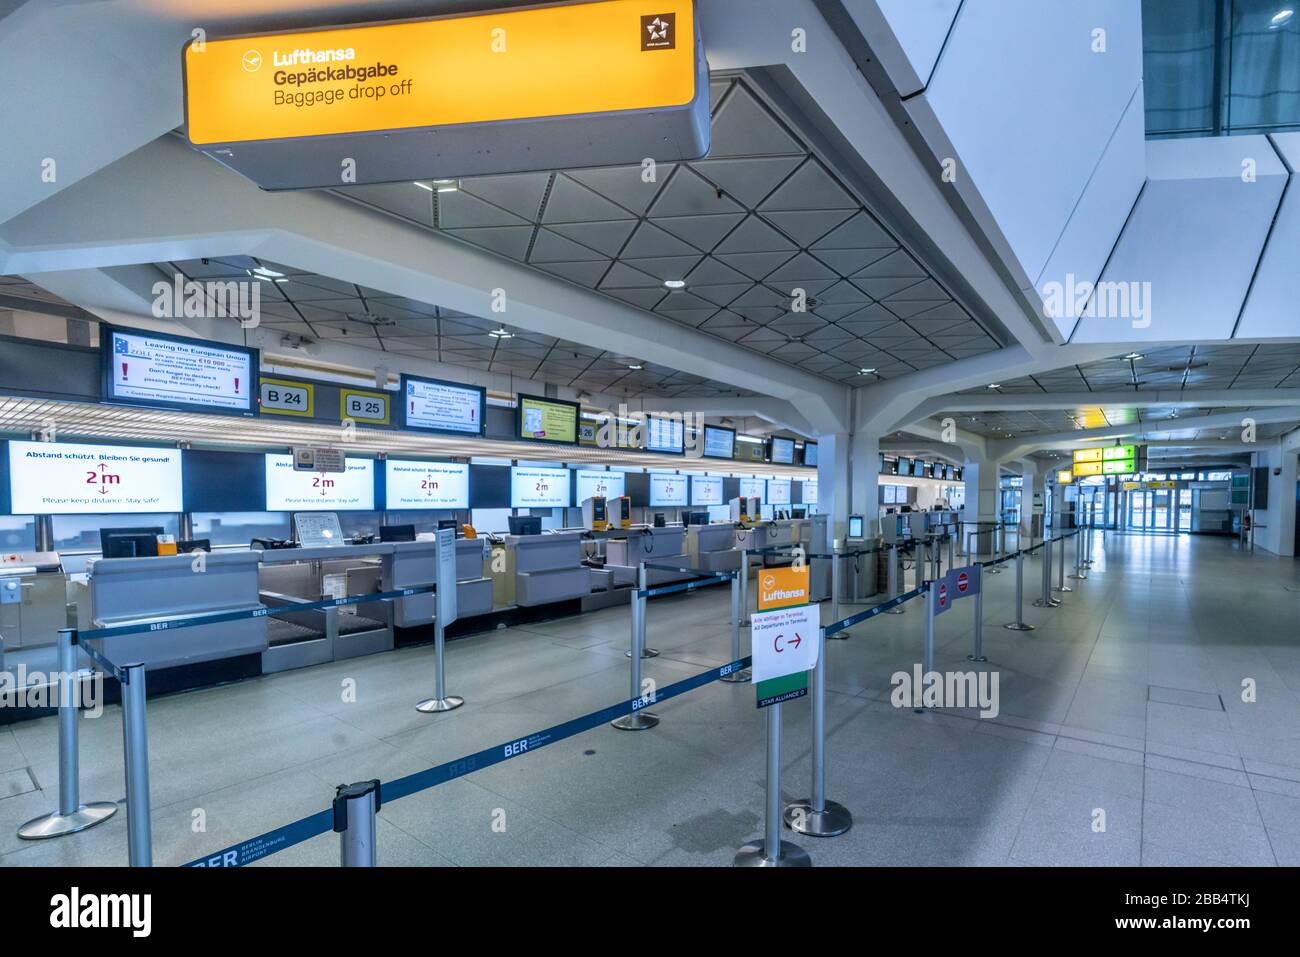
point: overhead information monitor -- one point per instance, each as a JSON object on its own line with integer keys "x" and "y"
{"x": 783, "y": 451}
{"x": 547, "y": 420}
{"x": 551, "y": 87}
{"x": 778, "y": 492}
{"x": 665, "y": 435}
{"x": 539, "y": 488}
{"x": 668, "y": 490}
{"x": 810, "y": 454}
{"x": 62, "y": 478}
{"x": 809, "y": 492}
{"x": 592, "y": 483}
{"x": 439, "y": 406}
{"x": 706, "y": 490}
{"x": 290, "y": 491}
{"x": 161, "y": 371}
{"x": 753, "y": 488}
{"x": 426, "y": 484}
{"x": 719, "y": 443}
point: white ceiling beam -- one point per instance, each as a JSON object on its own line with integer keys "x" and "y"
{"x": 165, "y": 202}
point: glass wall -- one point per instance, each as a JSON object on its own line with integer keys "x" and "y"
{"x": 1220, "y": 67}
{"x": 17, "y": 533}
{"x": 80, "y": 533}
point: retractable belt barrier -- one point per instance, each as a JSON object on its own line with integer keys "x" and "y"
{"x": 281, "y": 838}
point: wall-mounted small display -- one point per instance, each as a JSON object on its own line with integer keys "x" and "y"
{"x": 539, "y": 487}
{"x": 547, "y": 420}
{"x": 706, "y": 490}
{"x": 432, "y": 405}
{"x": 719, "y": 442}
{"x": 290, "y": 491}
{"x": 169, "y": 372}
{"x": 782, "y": 451}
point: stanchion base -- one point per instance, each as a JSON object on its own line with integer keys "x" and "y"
{"x": 754, "y": 854}
{"x": 992, "y": 571}
{"x": 976, "y": 658}
{"x": 831, "y": 822}
{"x": 56, "y": 824}
{"x": 840, "y": 636}
{"x": 645, "y": 653}
{"x": 737, "y": 677}
{"x": 1051, "y": 603}
{"x": 1078, "y": 578}
{"x": 637, "y": 721}
{"x": 435, "y": 705}
{"x": 1018, "y": 626}
{"x": 1063, "y": 588}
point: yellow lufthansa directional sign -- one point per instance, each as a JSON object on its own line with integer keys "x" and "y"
{"x": 556, "y": 61}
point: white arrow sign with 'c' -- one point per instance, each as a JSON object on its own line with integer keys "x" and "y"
{"x": 784, "y": 641}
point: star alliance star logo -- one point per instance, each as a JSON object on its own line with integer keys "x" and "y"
{"x": 659, "y": 32}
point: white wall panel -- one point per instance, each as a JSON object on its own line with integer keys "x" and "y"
{"x": 1029, "y": 109}
{"x": 1195, "y": 237}
{"x": 1273, "y": 307}
{"x": 906, "y": 35}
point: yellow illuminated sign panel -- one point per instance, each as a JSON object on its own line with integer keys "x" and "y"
{"x": 1087, "y": 468}
{"x": 565, "y": 60}
{"x": 1087, "y": 455}
{"x": 1064, "y": 477}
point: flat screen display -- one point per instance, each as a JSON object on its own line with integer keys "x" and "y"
{"x": 547, "y": 420}
{"x": 719, "y": 443}
{"x": 62, "y": 478}
{"x": 539, "y": 488}
{"x": 665, "y": 435}
{"x": 903, "y": 466}
{"x": 809, "y": 492}
{"x": 810, "y": 454}
{"x": 753, "y": 488}
{"x": 778, "y": 491}
{"x": 918, "y": 469}
{"x": 706, "y": 490}
{"x": 449, "y": 407}
{"x": 890, "y": 497}
{"x": 783, "y": 451}
{"x": 290, "y": 491}
{"x": 411, "y": 484}
{"x": 589, "y": 483}
{"x": 668, "y": 490}
{"x": 168, "y": 372}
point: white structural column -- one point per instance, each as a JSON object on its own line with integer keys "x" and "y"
{"x": 1275, "y": 526}
{"x": 981, "y": 480}
{"x": 865, "y": 466}
{"x": 833, "y": 490}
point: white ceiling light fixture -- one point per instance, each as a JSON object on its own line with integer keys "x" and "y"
{"x": 995, "y": 385}
{"x": 866, "y": 372}
{"x": 501, "y": 332}
{"x": 446, "y": 185}
{"x": 265, "y": 273}
{"x": 635, "y": 366}
{"x": 1134, "y": 357}
{"x": 1281, "y": 18}
{"x": 675, "y": 283}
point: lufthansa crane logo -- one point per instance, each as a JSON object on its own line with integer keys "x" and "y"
{"x": 252, "y": 61}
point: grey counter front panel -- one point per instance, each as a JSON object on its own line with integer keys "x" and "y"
{"x": 130, "y": 590}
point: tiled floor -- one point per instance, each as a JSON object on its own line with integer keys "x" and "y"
{"x": 1124, "y": 738}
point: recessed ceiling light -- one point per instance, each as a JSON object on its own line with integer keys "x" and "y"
{"x": 866, "y": 372}
{"x": 265, "y": 273}
{"x": 424, "y": 186}
{"x": 1282, "y": 16}
{"x": 675, "y": 283}
{"x": 501, "y": 333}
{"x": 995, "y": 385}
{"x": 634, "y": 366}
{"x": 446, "y": 185}
{"x": 1134, "y": 357}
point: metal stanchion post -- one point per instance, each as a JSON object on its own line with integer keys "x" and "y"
{"x": 441, "y": 701}
{"x": 999, "y": 546}
{"x": 920, "y": 561}
{"x": 135, "y": 738}
{"x": 892, "y": 559}
{"x": 643, "y": 582}
{"x": 952, "y": 550}
{"x": 72, "y": 816}
{"x": 742, "y": 676}
{"x": 835, "y": 594}
{"x": 1019, "y": 623}
{"x": 978, "y": 654}
{"x": 816, "y": 816}
{"x": 772, "y": 851}
{"x": 355, "y": 807}
{"x": 929, "y": 646}
{"x": 1079, "y": 573}
{"x": 1047, "y": 601}
{"x": 1061, "y": 586}
{"x": 638, "y": 720}
{"x": 744, "y": 587}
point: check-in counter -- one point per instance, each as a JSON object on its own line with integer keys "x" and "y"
{"x": 33, "y": 600}
{"x": 660, "y": 546}
{"x": 415, "y": 564}
{"x": 296, "y": 576}
{"x": 128, "y": 591}
{"x": 541, "y": 569}
{"x": 712, "y": 547}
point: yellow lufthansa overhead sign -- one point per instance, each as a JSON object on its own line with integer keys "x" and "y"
{"x": 565, "y": 60}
